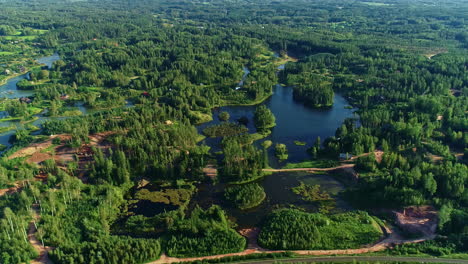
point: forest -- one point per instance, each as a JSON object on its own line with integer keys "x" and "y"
{"x": 152, "y": 131}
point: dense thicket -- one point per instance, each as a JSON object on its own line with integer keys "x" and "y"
{"x": 241, "y": 163}
{"x": 245, "y": 196}
{"x": 224, "y": 129}
{"x": 206, "y": 232}
{"x": 293, "y": 229}
{"x": 109, "y": 250}
{"x": 312, "y": 89}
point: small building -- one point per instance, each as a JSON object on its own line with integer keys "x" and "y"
{"x": 64, "y": 97}
{"x": 7, "y": 72}
{"x": 345, "y": 156}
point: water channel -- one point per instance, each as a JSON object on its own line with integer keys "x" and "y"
{"x": 294, "y": 122}
{"x": 10, "y": 91}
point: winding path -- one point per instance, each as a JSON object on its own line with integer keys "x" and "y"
{"x": 43, "y": 252}
{"x": 16, "y": 187}
{"x": 43, "y": 257}
{"x": 349, "y": 259}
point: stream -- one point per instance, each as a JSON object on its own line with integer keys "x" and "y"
{"x": 10, "y": 91}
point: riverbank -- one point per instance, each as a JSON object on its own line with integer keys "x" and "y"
{"x": 294, "y": 123}
{"x": 26, "y": 71}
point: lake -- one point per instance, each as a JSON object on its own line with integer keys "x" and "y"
{"x": 294, "y": 121}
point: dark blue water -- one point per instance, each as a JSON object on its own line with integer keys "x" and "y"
{"x": 294, "y": 121}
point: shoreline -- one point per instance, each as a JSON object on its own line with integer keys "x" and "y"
{"x": 12, "y": 76}
{"x": 281, "y": 61}
{"x": 27, "y": 70}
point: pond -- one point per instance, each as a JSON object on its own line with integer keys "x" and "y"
{"x": 278, "y": 195}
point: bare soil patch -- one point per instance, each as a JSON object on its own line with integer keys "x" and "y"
{"x": 423, "y": 216}
{"x": 17, "y": 186}
{"x": 252, "y": 237}
{"x": 436, "y": 52}
{"x": 38, "y": 157}
{"x": 418, "y": 220}
{"x": 37, "y": 147}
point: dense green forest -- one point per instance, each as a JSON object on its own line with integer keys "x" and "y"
{"x": 245, "y": 196}
{"x": 123, "y": 181}
{"x": 293, "y": 229}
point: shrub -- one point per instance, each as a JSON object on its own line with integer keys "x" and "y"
{"x": 245, "y": 196}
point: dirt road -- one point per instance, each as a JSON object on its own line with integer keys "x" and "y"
{"x": 344, "y": 166}
{"x": 378, "y": 157}
{"x": 34, "y": 241}
{"x": 392, "y": 239}
{"x": 352, "y": 259}
{"x": 16, "y": 187}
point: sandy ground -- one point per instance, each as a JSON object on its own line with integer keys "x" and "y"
{"x": 63, "y": 154}
{"x": 418, "y": 220}
{"x": 378, "y": 157}
{"x": 211, "y": 171}
{"x": 17, "y": 186}
{"x": 35, "y": 153}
